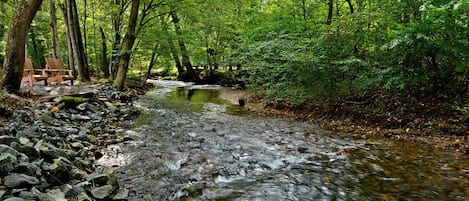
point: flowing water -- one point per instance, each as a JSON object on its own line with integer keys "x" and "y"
{"x": 192, "y": 145}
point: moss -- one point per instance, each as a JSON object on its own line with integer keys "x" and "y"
{"x": 71, "y": 101}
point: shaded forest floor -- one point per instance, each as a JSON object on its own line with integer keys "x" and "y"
{"x": 435, "y": 123}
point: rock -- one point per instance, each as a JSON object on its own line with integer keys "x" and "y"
{"x": 2, "y": 192}
{"x": 27, "y": 195}
{"x": 28, "y": 150}
{"x": 77, "y": 145}
{"x": 84, "y": 197}
{"x": 47, "y": 119}
{"x": 32, "y": 169}
{"x": 92, "y": 139}
{"x": 15, "y": 180}
{"x": 7, "y": 140}
{"x": 51, "y": 152}
{"x": 123, "y": 194}
{"x": 14, "y": 199}
{"x": 59, "y": 172}
{"x": 101, "y": 192}
{"x": 79, "y": 117}
{"x": 72, "y": 191}
{"x": 56, "y": 195}
{"x": 8, "y": 149}
{"x": 7, "y": 162}
{"x": 98, "y": 179}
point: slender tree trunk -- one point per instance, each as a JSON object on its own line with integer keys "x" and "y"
{"x": 13, "y": 65}
{"x": 350, "y": 5}
{"x": 127, "y": 46}
{"x": 330, "y": 12}
{"x": 150, "y": 66}
{"x": 104, "y": 61}
{"x": 85, "y": 39}
{"x": 175, "y": 55}
{"x": 77, "y": 41}
{"x": 71, "y": 63}
{"x": 190, "y": 73}
{"x": 37, "y": 55}
{"x": 117, "y": 26}
{"x": 53, "y": 28}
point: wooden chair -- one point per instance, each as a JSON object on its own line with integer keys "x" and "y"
{"x": 58, "y": 74}
{"x": 30, "y": 76}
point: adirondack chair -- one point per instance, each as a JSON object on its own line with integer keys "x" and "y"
{"x": 58, "y": 74}
{"x": 30, "y": 76}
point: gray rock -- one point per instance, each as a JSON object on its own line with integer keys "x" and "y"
{"x": 51, "y": 152}
{"x": 2, "y": 192}
{"x": 101, "y": 192}
{"x": 27, "y": 195}
{"x": 84, "y": 197}
{"x": 55, "y": 195}
{"x": 8, "y": 149}
{"x": 77, "y": 145}
{"x": 7, "y": 140}
{"x": 59, "y": 172}
{"x": 15, "y": 199}
{"x": 123, "y": 194}
{"x": 79, "y": 117}
{"x": 33, "y": 169}
{"x": 28, "y": 150}
{"x": 15, "y": 180}
{"x": 98, "y": 179}
{"x": 7, "y": 162}
{"x": 71, "y": 191}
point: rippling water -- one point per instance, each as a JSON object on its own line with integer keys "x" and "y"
{"x": 193, "y": 145}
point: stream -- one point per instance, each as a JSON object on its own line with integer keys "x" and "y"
{"x": 190, "y": 144}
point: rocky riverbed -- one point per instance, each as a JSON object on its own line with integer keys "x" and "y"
{"x": 48, "y": 149}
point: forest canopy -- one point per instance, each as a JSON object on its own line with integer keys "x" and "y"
{"x": 290, "y": 51}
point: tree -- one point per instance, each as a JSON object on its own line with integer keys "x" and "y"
{"x": 127, "y": 46}
{"x": 77, "y": 41}
{"x": 190, "y": 74}
{"x": 54, "y": 36}
{"x": 15, "y": 49}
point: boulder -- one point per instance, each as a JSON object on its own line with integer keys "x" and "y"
{"x": 16, "y": 180}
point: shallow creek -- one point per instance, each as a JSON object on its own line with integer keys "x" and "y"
{"x": 192, "y": 145}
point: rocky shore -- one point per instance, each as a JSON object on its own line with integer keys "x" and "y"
{"x": 48, "y": 149}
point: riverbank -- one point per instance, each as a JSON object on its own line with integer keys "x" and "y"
{"x": 436, "y": 124}
{"x": 52, "y": 136}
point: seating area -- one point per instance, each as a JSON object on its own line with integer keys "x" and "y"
{"x": 52, "y": 73}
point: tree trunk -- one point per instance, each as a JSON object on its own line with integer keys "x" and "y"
{"x": 77, "y": 41}
{"x": 104, "y": 62}
{"x": 71, "y": 63}
{"x": 13, "y": 65}
{"x": 117, "y": 26}
{"x": 127, "y": 46}
{"x": 329, "y": 13}
{"x": 37, "y": 55}
{"x": 53, "y": 28}
{"x": 350, "y": 5}
{"x": 175, "y": 55}
{"x": 150, "y": 66}
{"x": 190, "y": 74}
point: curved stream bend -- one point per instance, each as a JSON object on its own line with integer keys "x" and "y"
{"x": 194, "y": 147}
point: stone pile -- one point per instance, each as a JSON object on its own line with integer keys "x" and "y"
{"x": 47, "y": 152}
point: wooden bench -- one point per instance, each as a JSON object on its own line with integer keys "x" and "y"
{"x": 56, "y": 73}
{"x": 30, "y": 76}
